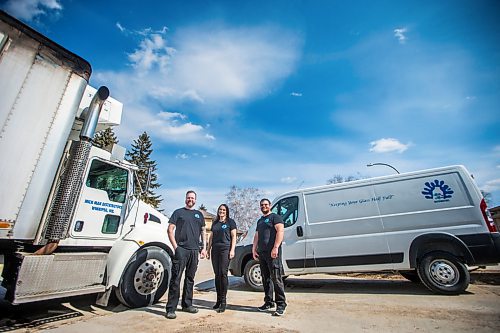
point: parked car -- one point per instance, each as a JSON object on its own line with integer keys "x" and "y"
{"x": 429, "y": 225}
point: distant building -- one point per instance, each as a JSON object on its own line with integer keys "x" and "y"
{"x": 495, "y": 213}
{"x": 209, "y": 219}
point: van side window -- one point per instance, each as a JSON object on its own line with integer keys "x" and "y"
{"x": 109, "y": 178}
{"x": 288, "y": 209}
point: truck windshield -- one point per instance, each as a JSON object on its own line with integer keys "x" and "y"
{"x": 109, "y": 178}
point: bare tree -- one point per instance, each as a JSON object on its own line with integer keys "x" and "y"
{"x": 340, "y": 179}
{"x": 243, "y": 204}
{"x": 487, "y": 197}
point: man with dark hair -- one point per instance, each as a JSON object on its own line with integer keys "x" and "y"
{"x": 267, "y": 249}
{"x": 189, "y": 225}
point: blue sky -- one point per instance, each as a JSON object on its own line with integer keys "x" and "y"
{"x": 285, "y": 94}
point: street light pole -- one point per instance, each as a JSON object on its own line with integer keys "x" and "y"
{"x": 388, "y": 165}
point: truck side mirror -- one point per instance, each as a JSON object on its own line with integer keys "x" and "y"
{"x": 148, "y": 181}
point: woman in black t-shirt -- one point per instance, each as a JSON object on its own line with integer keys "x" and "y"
{"x": 221, "y": 249}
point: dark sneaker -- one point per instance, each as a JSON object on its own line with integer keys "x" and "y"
{"x": 171, "y": 315}
{"x": 222, "y": 308}
{"x": 190, "y": 309}
{"x": 216, "y": 306}
{"x": 266, "y": 306}
{"x": 279, "y": 312}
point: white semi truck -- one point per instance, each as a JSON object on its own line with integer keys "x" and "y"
{"x": 70, "y": 222}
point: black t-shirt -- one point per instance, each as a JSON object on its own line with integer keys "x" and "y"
{"x": 188, "y": 224}
{"x": 267, "y": 231}
{"x": 221, "y": 232}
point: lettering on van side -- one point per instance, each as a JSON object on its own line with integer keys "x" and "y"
{"x": 361, "y": 201}
{"x": 437, "y": 191}
{"x": 103, "y": 206}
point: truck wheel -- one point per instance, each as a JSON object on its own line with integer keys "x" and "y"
{"x": 252, "y": 275}
{"x": 411, "y": 276}
{"x": 443, "y": 273}
{"x": 146, "y": 278}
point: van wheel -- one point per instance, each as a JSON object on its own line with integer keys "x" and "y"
{"x": 443, "y": 273}
{"x": 146, "y": 278}
{"x": 411, "y": 276}
{"x": 253, "y": 276}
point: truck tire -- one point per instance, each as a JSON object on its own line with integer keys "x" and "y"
{"x": 146, "y": 278}
{"x": 443, "y": 273}
{"x": 411, "y": 276}
{"x": 252, "y": 275}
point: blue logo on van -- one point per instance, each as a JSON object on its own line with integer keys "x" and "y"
{"x": 437, "y": 191}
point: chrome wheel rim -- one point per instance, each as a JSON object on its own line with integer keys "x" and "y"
{"x": 255, "y": 275}
{"x": 148, "y": 276}
{"x": 444, "y": 272}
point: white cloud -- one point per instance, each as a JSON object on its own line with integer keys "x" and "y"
{"x": 492, "y": 185}
{"x": 171, "y": 115}
{"x": 182, "y": 156}
{"x": 30, "y": 9}
{"x": 400, "y": 35}
{"x": 288, "y": 180}
{"x": 387, "y": 145}
{"x": 212, "y": 67}
{"x": 207, "y": 72}
{"x": 153, "y": 53}
{"x": 224, "y": 65}
{"x": 120, "y": 27}
{"x": 296, "y": 94}
{"x": 168, "y": 127}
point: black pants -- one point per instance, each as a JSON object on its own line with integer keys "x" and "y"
{"x": 220, "y": 263}
{"x": 183, "y": 260}
{"x": 271, "y": 270}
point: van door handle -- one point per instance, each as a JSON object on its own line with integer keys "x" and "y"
{"x": 300, "y": 232}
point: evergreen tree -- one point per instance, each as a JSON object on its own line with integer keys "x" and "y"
{"x": 140, "y": 156}
{"x": 105, "y": 138}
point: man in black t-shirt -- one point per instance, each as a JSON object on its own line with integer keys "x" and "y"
{"x": 189, "y": 225}
{"x": 267, "y": 249}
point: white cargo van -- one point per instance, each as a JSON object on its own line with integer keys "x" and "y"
{"x": 426, "y": 224}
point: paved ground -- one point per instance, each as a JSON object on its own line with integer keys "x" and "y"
{"x": 317, "y": 303}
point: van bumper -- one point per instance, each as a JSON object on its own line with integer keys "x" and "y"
{"x": 485, "y": 248}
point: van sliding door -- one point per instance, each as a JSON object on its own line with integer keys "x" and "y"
{"x": 345, "y": 229}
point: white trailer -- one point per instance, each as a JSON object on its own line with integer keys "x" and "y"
{"x": 70, "y": 222}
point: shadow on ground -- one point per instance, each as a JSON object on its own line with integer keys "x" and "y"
{"x": 35, "y": 314}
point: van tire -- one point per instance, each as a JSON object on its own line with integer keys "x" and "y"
{"x": 146, "y": 278}
{"x": 443, "y": 273}
{"x": 252, "y": 275}
{"x": 411, "y": 276}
